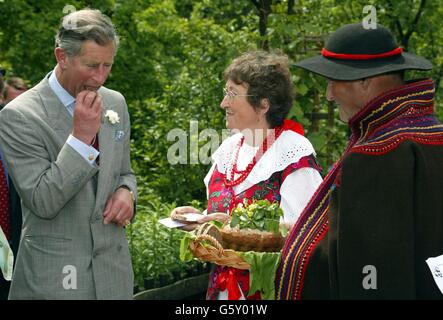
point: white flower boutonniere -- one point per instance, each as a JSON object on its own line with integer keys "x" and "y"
{"x": 112, "y": 116}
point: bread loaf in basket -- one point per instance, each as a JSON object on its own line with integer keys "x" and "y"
{"x": 251, "y": 240}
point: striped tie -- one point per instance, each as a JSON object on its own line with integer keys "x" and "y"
{"x": 96, "y": 147}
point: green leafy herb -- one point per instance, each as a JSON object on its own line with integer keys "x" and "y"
{"x": 260, "y": 214}
{"x": 185, "y": 252}
{"x": 262, "y": 272}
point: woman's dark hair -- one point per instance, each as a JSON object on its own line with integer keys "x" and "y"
{"x": 267, "y": 76}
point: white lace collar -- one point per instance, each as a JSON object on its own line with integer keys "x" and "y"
{"x": 289, "y": 148}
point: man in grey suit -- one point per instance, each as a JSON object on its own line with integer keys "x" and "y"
{"x": 66, "y": 145}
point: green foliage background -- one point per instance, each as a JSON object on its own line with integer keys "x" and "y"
{"x": 173, "y": 52}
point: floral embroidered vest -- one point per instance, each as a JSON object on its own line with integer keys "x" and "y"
{"x": 220, "y": 197}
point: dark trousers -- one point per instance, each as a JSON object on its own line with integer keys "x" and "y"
{"x": 4, "y": 288}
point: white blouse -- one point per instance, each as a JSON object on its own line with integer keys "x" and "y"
{"x": 298, "y": 187}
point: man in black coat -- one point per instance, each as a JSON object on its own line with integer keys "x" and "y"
{"x": 374, "y": 229}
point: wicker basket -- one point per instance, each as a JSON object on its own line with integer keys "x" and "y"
{"x": 213, "y": 251}
{"x": 221, "y": 244}
{"x": 251, "y": 240}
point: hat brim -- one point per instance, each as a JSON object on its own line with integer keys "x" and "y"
{"x": 349, "y": 70}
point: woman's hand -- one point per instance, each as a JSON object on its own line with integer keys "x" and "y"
{"x": 182, "y": 211}
{"x": 218, "y": 216}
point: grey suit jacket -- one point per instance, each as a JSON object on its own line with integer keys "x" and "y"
{"x": 66, "y": 252}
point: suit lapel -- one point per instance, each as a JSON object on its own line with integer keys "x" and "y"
{"x": 58, "y": 115}
{"x": 106, "y": 145}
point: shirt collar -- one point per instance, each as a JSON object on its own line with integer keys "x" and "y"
{"x": 59, "y": 91}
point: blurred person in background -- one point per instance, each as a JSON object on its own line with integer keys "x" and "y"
{"x": 14, "y": 87}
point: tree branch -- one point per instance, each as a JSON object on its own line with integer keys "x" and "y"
{"x": 414, "y": 23}
{"x": 264, "y": 9}
{"x": 291, "y": 7}
{"x": 396, "y": 21}
{"x": 255, "y": 3}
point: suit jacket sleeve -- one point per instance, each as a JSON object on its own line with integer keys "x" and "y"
{"x": 44, "y": 184}
{"x": 127, "y": 176}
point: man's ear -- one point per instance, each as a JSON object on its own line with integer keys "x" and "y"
{"x": 61, "y": 57}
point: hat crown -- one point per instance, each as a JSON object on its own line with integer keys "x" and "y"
{"x": 354, "y": 39}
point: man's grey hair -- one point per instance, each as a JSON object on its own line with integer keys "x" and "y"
{"x": 84, "y": 25}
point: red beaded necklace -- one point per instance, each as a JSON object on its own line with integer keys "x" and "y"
{"x": 244, "y": 173}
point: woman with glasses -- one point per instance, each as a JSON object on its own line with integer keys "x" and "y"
{"x": 267, "y": 157}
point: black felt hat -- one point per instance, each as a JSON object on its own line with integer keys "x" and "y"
{"x": 353, "y": 52}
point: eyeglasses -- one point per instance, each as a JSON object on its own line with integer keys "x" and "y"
{"x": 232, "y": 94}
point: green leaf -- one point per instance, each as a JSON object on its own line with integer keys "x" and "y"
{"x": 302, "y": 89}
{"x": 262, "y": 272}
{"x": 244, "y": 218}
{"x": 218, "y": 224}
{"x": 272, "y": 226}
{"x": 234, "y": 221}
{"x": 185, "y": 252}
{"x": 260, "y": 225}
{"x": 259, "y": 214}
